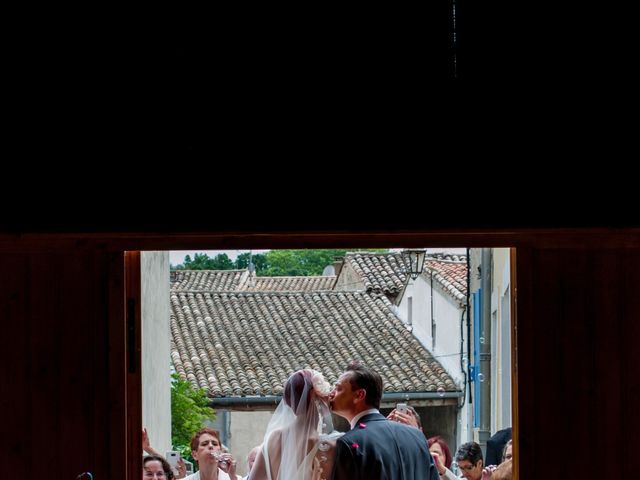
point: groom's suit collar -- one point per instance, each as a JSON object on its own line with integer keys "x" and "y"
{"x": 368, "y": 415}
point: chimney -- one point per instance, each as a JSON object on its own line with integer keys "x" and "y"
{"x": 338, "y": 262}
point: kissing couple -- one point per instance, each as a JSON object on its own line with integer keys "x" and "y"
{"x": 301, "y": 444}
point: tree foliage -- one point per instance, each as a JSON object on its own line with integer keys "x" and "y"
{"x": 299, "y": 262}
{"x": 202, "y": 261}
{"x": 273, "y": 263}
{"x": 259, "y": 261}
{"x": 189, "y": 410}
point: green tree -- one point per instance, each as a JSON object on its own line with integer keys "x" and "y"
{"x": 301, "y": 262}
{"x": 259, "y": 260}
{"x": 189, "y": 410}
{"x": 202, "y": 261}
{"x": 272, "y": 263}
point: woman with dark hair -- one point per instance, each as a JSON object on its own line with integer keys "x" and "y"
{"x": 470, "y": 463}
{"x": 299, "y": 439}
{"x": 155, "y": 466}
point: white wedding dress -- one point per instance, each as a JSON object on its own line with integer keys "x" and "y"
{"x": 300, "y": 439}
{"x": 316, "y": 465}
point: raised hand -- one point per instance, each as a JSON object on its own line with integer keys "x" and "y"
{"x": 488, "y": 471}
{"x": 438, "y": 461}
{"x": 146, "y": 444}
{"x": 226, "y": 462}
{"x": 182, "y": 469}
{"x": 403, "y": 417}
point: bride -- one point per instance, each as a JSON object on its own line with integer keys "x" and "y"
{"x": 300, "y": 440}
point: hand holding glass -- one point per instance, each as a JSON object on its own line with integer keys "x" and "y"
{"x": 218, "y": 455}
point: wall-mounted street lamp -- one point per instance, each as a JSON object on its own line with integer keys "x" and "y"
{"x": 414, "y": 261}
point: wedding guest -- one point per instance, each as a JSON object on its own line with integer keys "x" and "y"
{"x": 155, "y": 466}
{"x": 251, "y": 458}
{"x": 214, "y": 464}
{"x": 504, "y": 471}
{"x": 440, "y": 451}
{"x": 495, "y": 446}
{"x": 507, "y": 453}
{"x": 410, "y": 417}
{"x": 470, "y": 463}
{"x": 181, "y": 468}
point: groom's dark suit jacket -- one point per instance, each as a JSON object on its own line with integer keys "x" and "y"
{"x": 379, "y": 449}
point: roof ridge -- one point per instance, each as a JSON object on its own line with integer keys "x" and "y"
{"x": 295, "y": 276}
{"x": 440, "y": 257}
{"x": 272, "y": 292}
{"x": 208, "y": 270}
{"x": 372, "y": 253}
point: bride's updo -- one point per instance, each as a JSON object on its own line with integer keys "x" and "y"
{"x": 297, "y": 390}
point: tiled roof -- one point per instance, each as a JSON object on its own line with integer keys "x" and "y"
{"x": 380, "y": 272}
{"x": 248, "y": 343}
{"x": 208, "y": 280}
{"x": 450, "y": 271}
{"x": 448, "y": 257}
{"x": 289, "y": 284}
{"x": 384, "y": 272}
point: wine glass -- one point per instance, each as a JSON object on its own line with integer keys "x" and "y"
{"x": 218, "y": 455}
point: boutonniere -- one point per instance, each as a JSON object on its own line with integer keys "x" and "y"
{"x": 354, "y": 445}
{"x": 363, "y": 425}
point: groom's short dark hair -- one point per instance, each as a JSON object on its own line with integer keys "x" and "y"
{"x": 364, "y": 377}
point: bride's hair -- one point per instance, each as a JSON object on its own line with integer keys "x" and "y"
{"x": 297, "y": 391}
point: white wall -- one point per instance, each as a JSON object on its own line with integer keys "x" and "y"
{"x": 247, "y": 431}
{"x": 448, "y": 315}
{"x": 501, "y": 341}
{"x": 156, "y": 386}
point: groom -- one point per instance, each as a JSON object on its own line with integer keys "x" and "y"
{"x": 375, "y": 447}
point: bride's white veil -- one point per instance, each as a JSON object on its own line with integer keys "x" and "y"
{"x": 300, "y": 421}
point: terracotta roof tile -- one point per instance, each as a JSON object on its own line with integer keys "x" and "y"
{"x": 289, "y": 284}
{"x": 248, "y": 343}
{"x": 384, "y": 272}
{"x": 380, "y": 272}
{"x": 208, "y": 280}
{"x": 450, "y": 271}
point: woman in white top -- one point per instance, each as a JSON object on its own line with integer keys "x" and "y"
{"x": 299, "y": 441}
{"x": 214, "y": 463}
